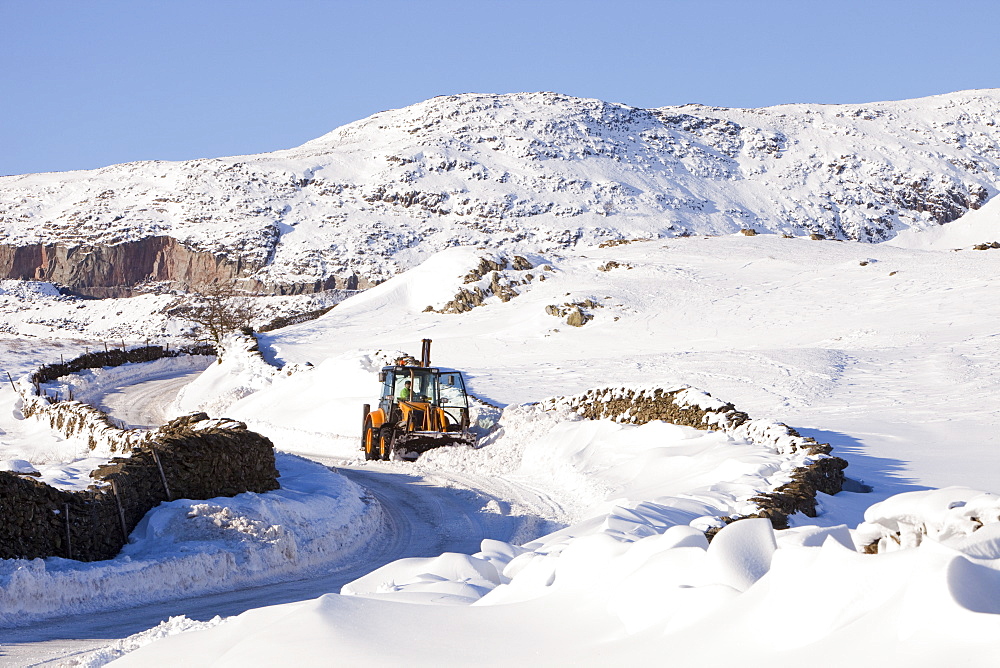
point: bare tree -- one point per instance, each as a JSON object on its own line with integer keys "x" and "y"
{"x": 217, "y": 309}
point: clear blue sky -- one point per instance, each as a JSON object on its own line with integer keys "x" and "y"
{"x": 85, "y": 84}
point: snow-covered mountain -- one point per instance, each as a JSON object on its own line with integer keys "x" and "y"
{"x": 537, "y": 171}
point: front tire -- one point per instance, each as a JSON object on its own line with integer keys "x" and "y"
{"x": 384, "y": 444}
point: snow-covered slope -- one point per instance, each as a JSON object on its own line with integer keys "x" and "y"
{"x": 975, "y": 228}
{"x": 34, "y": 309}
{"x": 537, "y": 171}
{"x": 874, "y": 348}
{"x": 888, "y": 353}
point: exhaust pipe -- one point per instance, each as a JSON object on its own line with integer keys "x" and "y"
{"x": 425, "y": 353}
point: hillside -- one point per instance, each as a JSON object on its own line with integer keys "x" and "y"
{"x": 537, "y": 171}
{"x": 887, "y": 353}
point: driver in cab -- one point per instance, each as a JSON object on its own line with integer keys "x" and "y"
{"x": 406, "y": 393}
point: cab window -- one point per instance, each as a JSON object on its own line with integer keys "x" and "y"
{"x": 453, "y": 390}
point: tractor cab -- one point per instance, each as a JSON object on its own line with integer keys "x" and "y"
{"x": 420, "y": 407}
{"x": 429, "y": 398}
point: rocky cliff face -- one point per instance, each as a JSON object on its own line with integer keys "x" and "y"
{"x": 516, "y": 172}
{"x": 110, "y": 271}
{"x": 118, "y": 270}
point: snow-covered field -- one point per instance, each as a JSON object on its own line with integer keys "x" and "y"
{"x": 887, "y": 352}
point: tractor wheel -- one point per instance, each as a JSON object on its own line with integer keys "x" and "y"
{"x": 384, "y": 443}
{"x": 369, "y": 442}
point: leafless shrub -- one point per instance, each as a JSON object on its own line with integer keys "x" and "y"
{"x": 217, "y": 309}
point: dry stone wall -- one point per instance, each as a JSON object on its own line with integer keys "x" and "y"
{"x": 192, "y": 457}
{"x": 76, "y": 419}
{"x": 114, "y": 357}
{"x": 687, "y": 406}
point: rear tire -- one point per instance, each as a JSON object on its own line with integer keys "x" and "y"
{"x": 369, "y": 442}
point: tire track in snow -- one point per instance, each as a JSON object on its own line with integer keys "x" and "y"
{"x": 455, "y": 512}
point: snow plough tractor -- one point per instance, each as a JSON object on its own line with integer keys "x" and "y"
{"x": 421, "y": 407}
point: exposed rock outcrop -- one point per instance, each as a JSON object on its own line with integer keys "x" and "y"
{"x": 117, "y": 270}
{"x": 574, "y": 312}
{"x": 490, "y": 278}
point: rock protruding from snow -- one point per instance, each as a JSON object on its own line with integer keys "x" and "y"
{"x": 966, "y": 519}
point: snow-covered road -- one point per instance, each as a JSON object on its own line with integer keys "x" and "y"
{"x": 425, "y": 516}
{"x": 145, "y": 404}
{"x": 430, "y": 514}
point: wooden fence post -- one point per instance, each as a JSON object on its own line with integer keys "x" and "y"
{"x": 163, "y": 476}
{"x": 69, "y": 538}
{"x": 121, "y": 511}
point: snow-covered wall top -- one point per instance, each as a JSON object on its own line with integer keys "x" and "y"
{"x": 535, "y": 170}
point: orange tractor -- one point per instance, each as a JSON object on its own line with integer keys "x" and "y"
{"x": 421, "y": 407}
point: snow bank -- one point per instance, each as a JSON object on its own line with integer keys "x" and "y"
{"x": 117, "y": 649}
{"x": 17, "y": 466}
{"x": 752, "y": 597}
{"x": 325, "y": 399}
{"x": 184, "y": 548}
{"x": 619, "y": 483}
{"x": 241, "y": 371}
{"x": 962, "y": 518}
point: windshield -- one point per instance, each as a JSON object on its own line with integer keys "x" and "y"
{"x": 443, "y": 388}
{"x": 415, "y": 384}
